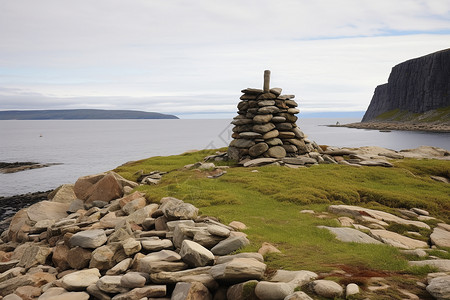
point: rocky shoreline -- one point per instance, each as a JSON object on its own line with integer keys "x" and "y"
{"x": 14, "y": 167}
{"x": 398, "y": 126}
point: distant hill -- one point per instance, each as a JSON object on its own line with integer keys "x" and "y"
{"x": 418, "y": 90}
{"x": 80, "y": 114}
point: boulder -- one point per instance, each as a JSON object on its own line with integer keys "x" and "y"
{"x": 327, "y": 288}
{"x": 195, "y": 255}
{"x": 440, "y": 237}
{"x": 443, "y": 265}
{"x": 238, "y": 270}
{"x": 357, "y": 211}
{"x": 63, "y": 194}
{"x": 350, "y": 235}
{"x": 190, "y": 275}
{"x": 397, "y": 240}
{"x": 134, "y": 205}
{"x": 439, "y": 287}
{"x": 139, "y": 216}
{"x": 47, "y": 210}
{"x": 80, "y": 280}
{"x": 229, "y": 245}
{"x": 266, "y": 290}
{"x": 102, "y": 187}
{"x": 191, "y": 290}
{"x": 89, "y": 238}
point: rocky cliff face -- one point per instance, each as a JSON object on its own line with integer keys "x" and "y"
{"x": 417, "y": 85}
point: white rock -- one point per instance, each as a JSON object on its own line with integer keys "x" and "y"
{"x": 266, "y": 290}
{"x": 439, "y": 288}
{"x": 195, "y": 255}
{"x": 297, "y": 278}
{"x": 80, "y": 280}
{"x": 327, "y": 288}
{"x": 89, "y": 238}
{"x": 351, "y": 289}
{"x": 298, "y": 296}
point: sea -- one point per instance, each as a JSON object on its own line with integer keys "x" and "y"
{"x": 83, "y": 147}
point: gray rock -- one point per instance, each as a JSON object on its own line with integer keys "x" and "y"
{"x": 162, "y": 266}
{"x": 250, "y": 135}
{"x": 276, "y": 91}
{"x": 284, "y": 126}
{"x": 47, "y": 210}
{"x": 228, "y": 258}
{"x": 8, "y": 265}
{"x": 102, "y": 258}
{"x": 229, "y": 245}
{"x": 218, "y": 230}
{"x": 12, "y": 297}
{"x": 206, "y": 239}
{"x": 439, "y": 287}
{"x": 274, "y": 142}
{"x": 172, "y": 224}
{"x": 190, "y": 290}
{"x": 258, "y": 149}
{"x": 238, "y": 270}
{"x": 89, "y": 238}
{"x": 260, "y": 162}
{"x": 327, "y": 288}
{"x": 397, "y": 240}
{"x": 276, "y": 152}
{"x": 442, "y": 265}
{"x": 296, "y": 278}
{"x": 278, "y": 119}
{"x": 132, "y": 280}
{"x": 351, "y": 235}
{"x": 175, "y": 209}
{"x": 191, "y": 275}
{"x": 195, "y": 255}
{"x": 266, "y": 103}
{"x": 266, "y": 290}
{"x": 80, "y": 280}
{"x": 268, "y": 110}
{"x": 156, "y": 244}
{"x": 299, "y": 160}
{"x": 262, "y": 119}
{"x": 291, "y": 103}
{"x": 111, "y": 284}
{"x": 263, "y": 128}
{"x": 242, "y": 143}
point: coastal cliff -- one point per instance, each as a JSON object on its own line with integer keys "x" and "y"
{"x": 414, "y": 87}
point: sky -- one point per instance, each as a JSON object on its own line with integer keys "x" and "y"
{"x": 192, "y": 58}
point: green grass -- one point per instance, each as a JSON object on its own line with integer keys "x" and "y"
{"x": 269, "y": 203}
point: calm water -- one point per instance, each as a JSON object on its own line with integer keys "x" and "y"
{"x": 92, "y": 146}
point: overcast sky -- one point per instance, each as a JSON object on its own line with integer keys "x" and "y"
{"x": 192, "y": 58}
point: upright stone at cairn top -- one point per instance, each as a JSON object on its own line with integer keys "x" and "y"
{"x": 266, "y": 87}
{"x": 266, "y": 126}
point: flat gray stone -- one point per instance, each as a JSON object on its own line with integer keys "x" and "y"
{"x": 397, "y": 240}
{"x": 229, "y": 245}
{"x": 439, "y": 287}
{"x": 351, "y": 235}
{"x": 443, "y": 265}
{"x": 440, "y": 237}
{"x": 260, "y": 162}
{"x": 89, "y": 238}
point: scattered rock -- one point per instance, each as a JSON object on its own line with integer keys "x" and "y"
{"x": 327, "y": 288}
{"x": 351, "y": 235}
{"x": 191, "y": 290}
{"x": 442, "y": 265}
{"x": 397, "y": 240}
{"x": 89, "y": 238}
{"x": 439, "y": 287}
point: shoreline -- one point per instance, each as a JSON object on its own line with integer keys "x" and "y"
{"x": 432, "y": 128}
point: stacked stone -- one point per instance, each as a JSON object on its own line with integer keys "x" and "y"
{"x": 266, "y": 125}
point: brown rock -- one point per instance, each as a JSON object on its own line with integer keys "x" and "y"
{"x": 271, "y": 134}
{"x": 59, "y": 257}
{"x": 129, "y": 198}
{"x": 63, "y": 194}
{"x": 18, "y": 226}
{"x": 28, "y": 292}
{"x": 37, "y": 279}
{"x": 102, "y": 258}
{"x": 191, "y": 290}
{"x": 34, "y": 255}
{"x": 106, "y": 189}
{"x": 79, "y": 258}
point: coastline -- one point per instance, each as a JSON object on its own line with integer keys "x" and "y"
{"x": 438, "y": 128}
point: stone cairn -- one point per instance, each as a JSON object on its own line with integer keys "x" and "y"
{"x": 265, "y": 126}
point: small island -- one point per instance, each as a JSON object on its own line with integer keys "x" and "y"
{"x": 81, "y": 114}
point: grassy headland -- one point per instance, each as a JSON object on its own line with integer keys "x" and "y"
{"x": 270, "y": 200}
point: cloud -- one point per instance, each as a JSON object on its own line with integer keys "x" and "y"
{"x": 185, "y": 57}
